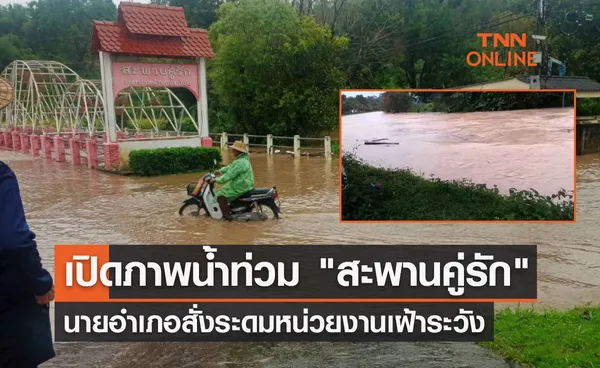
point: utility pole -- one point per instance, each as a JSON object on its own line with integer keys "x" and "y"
{"x": 539, "y": 36}
{"x": 542, "y": 32}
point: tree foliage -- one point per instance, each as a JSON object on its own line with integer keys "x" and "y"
{"x": 359, "y": 104}
{"x": 274, "y": 70}
{"x": 396, "y": 102}
{"x": 280, "y": 63}
{"x": 494, "y": 101}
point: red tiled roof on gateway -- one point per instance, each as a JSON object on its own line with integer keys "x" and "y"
{"x": 113, "y": 37}
{"x": 154, "y": 20}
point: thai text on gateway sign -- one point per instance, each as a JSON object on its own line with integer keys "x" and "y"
{"x": 170, "y": 71}
{"x": 139, "y": 74}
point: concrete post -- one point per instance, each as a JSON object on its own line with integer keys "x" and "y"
{"x": 112, "y": 160}
{"x": 75, "y": 151}
{"x": 8, "y": 140}
{"x": 25, "y": 142}
{"x": 224, "y": 141}
{"x": 269, "y": 144}
{"x": 206, "y": 142}
{"x": 16, "y": 139}
{"x": 109, "y": 97}
{"x": 297, "y": 146}
{"x": 35, "y": 144}
{"x": 59, "y": 148}
{"x": 47, "y": 147}
{"x": 202, "y": 106}
{"x": 327, "y": 146}
{"x": 246, "y": 141}
{"x": 91, "y": 146}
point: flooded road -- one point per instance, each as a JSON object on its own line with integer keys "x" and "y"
{"x": 66, "y": 204}
{"x": 511, "y": 149}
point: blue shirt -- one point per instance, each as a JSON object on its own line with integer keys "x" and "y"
{"x": 21, "y": 271}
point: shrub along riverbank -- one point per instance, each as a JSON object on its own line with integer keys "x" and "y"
{"x": 372, "y": 193}
{"x": 163, "y": 161}
{"x": 550, "y": 339}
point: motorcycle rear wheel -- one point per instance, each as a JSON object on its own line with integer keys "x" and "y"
{"x": 268, "y": 210}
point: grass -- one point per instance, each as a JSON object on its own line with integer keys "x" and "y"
{"x": 550, "y": 339}
{"x": 405, "y": 195}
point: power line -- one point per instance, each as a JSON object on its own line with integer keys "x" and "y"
{"x": 470, "y": 31}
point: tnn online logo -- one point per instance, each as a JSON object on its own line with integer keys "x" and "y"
{"x": 499, "y": 58}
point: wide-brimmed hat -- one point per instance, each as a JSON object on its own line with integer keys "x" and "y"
{"x": 239, "y": 146}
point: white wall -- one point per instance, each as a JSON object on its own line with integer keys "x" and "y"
{"x": 506, "y": 84}
{"x": 588, "y": 94}
{"x": 126, "y": 147}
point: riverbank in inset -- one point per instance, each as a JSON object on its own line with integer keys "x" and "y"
{"x": 378, "y": 194}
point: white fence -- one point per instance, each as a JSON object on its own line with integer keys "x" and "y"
{"x": 296, "y": 148}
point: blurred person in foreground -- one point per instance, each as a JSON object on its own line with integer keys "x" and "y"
{"x": 26, "y": 288}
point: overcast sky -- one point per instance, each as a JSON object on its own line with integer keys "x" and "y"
{"x": 6, "y": 2}
{"x": 354, "y": 94}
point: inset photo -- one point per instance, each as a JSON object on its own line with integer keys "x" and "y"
{"x": 457, "y": 155}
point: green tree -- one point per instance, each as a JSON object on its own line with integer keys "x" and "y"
{"x": 274, "y": 70}
{"x": 199, "y": 13}
{"x": 61, "y": 30}
{"x": 396, "y": 102}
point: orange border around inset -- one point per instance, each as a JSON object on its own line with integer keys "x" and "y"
{"x": 464, "y": 221}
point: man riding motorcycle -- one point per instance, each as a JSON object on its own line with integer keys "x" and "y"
{"x": 238, "y": 178}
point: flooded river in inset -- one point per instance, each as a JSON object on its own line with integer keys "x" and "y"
{"x": 511, "y": 149}
{"x": 67, "y": 204}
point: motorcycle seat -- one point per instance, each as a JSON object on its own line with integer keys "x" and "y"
{"x": 256, "y": 193}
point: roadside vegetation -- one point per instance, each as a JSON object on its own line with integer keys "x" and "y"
{"x": 177, "y": 160}
{"x": 335, "y": 148}
{"x": 548, "y": 339}
{"x": 372, "y": 193}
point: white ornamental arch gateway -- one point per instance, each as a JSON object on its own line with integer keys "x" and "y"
{"x": 48, "y": 95}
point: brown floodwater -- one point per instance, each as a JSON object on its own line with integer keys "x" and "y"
{"x": 514, "y": 149}
{"x": 67, "y": 204}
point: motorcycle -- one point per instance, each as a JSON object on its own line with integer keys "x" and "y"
{"x": 256, "y": 205}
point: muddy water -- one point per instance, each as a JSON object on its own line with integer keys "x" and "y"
{"x": 514, "y": 149}
{"x": 66, "y": 204}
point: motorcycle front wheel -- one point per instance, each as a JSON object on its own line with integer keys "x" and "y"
{"x": 191, "y": 209}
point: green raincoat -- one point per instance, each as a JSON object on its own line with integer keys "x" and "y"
{"x": 238, "y": 178}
